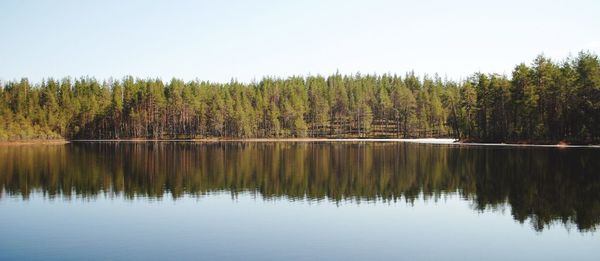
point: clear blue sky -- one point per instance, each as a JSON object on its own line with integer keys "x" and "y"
{"x": 220, "y": 40}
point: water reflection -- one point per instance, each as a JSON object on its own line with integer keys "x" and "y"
{"x": 541, "y": 185}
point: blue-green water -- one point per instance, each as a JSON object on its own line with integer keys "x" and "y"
{"x": 320, "y": 200}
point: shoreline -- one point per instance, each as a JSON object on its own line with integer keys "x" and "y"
{"x": 210, "y": 140}
{"x": 434, "y": 141}
{"x": 35, "y": 142}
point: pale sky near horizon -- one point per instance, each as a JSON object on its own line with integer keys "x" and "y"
{"x": 246, "y": 40}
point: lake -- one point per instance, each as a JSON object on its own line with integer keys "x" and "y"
{"x": 298, "y": 200}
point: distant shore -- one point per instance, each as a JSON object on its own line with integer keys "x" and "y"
{"x": 440, "y": 141}
{"x": 420, "y": 140}
{"x": 34, "y": 142}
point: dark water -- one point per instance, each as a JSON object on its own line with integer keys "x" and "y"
{"x": 321, "y": 200}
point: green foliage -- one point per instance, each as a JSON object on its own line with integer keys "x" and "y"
{"x": 544, "y": 102}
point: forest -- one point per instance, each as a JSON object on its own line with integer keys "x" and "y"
{"x": 545, "y": 101}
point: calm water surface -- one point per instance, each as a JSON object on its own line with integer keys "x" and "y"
{"x": 304, "y": 200}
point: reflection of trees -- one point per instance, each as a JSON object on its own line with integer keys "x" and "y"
{"x": 540, "y": 185}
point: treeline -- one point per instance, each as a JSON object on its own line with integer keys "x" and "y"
{"x": 545, "y": 101}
